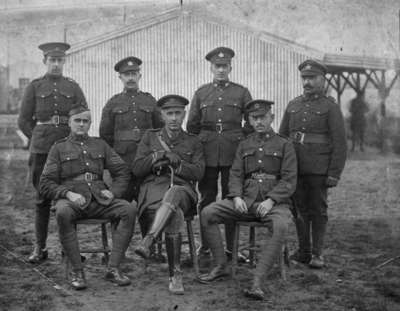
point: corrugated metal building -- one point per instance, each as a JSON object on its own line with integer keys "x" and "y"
{"x": 172, "y": 46}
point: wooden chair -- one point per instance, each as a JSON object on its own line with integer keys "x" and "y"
{"x": 283, "y": 258}
{"x": 105, "y": 249}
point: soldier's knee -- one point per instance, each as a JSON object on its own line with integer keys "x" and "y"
{"x": 64, "y": 212}
{"x": 207, "y": 215}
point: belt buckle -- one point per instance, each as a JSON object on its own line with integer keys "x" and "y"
{"x": 88, "y": 177}
{"x": 299, "y": 137}
{"x": 56, "y": 120}
{"x": 218, "y": 127}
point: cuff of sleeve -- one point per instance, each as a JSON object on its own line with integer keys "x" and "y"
{"x": 157, "y": 155}
{"x": 62, "y": 193}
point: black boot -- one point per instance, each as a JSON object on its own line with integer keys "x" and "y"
{"x": 42, "y": 215}
{"x": 318, "y": 234}
{"x": 173, "y": 245}
{"x": 38, "y": 255}
{"x": 160, "y": 221}
{"x": 303, "y": 254}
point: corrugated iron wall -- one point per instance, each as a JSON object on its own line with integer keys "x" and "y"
{"x": 173, "y": 62}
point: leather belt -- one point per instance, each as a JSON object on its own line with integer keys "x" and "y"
{"x": 306, "y": 138}
{"x": 221, "y": 127}
{"x": 86, "y": 177}
{"x": 55, "y": 120}
{"x": 261, "y": 175}
{"x": 133, "y": 134}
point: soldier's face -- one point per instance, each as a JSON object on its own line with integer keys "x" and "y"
{"x": 261, "y": 122}
{"x": 221, "y": 71}
{"x": 313, "y": 84}
{"x": 80, "y": 123}
{"x": 173, "y": 118}
{"x": 130, "y": 79}
{"x": 55, "y": 65}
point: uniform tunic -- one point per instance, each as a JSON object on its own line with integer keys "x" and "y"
{"x": 44, "y": 98}
{"x": 317, "y": 114}
{"x": 264, "y": 167}
{"x": 190, "y": 170}
{"x": 215, "y": 104}
{"x": 68, "y": 166}
{"x": 124, "y": 119}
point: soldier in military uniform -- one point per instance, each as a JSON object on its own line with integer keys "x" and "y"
{"x": 73, "y": 178}
{"x": 315, "y": 124}
{"x": 261, "y": 182}
{"x": 358, "y": 109}
{"x": 159, "y": 152}
{"x": 44, "y": 119}
{"x": 127, "y": 115}
{"x": 216, "y": 115}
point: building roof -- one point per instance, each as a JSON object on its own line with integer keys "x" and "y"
{"x": 348, "y": 63}
{"x": 334, "y": 62}
{"x": 205, "y": 16}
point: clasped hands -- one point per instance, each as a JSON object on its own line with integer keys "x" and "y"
{"x": 80, "y": 200}
{"x": 262, "y": 210}
{"x": 166, "y": 159}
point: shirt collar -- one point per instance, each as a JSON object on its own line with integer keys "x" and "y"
{"x": 78, "y": 138}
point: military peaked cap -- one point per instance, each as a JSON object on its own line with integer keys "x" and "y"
{"x": 130, "y": 63}
{"x": 311, "y": 67}
{"x": 54, "y": 48}
{"x": 220, "y": 55}
{"x": 175, "y": 101}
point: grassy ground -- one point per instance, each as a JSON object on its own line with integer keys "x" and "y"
{"x": 363, "y": 232}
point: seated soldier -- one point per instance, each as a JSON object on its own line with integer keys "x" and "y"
{"x": 261, "y": 181}
{"x": 73, "y": 178}
{"x": 159, "y": 152}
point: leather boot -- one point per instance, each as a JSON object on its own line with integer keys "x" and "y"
{"x": 70, "y": 247}
{"x": 114, "y": 275}
{"x": 38, "y": 255}
{"x": 318, "y": 234}
{"x": 214, "y": 239}
{"x": 173, "y": 246}
{"x": 42, "y": 214}
{"x": 161, "y": 218}
{"x": 303, "y": 254}
{"x": 78, "y": 280}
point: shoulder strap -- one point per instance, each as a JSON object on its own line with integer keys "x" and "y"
{"x": 162, "y": 142}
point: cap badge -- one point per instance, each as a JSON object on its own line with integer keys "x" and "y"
{"x": 307, "y": 67}
{"x": 130, "y": 63}
{"x": 257, "y": 106}
{"x": 221, "y": 54}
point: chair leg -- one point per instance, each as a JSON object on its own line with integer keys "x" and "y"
{"x": 282, "y": 265}
{"x": 192, "y": 247}
{"x": 235, "y": 250}
{"x": 105, "y": 243}
{"x": 252, "y": 242}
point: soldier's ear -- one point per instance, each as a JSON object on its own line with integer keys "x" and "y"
{"x": 44, "y": 60}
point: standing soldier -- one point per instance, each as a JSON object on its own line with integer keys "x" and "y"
{"x": 73, "y": 178}
{"x": 358, "y": 109}
{"x": 44, "y": 119}
{"x": 161, "y": 153}
{"x": 127, "y": 115}
{"x": 216, "y": 114}
{"x": 315, "y": 124}
{"x": 261, "y": 182}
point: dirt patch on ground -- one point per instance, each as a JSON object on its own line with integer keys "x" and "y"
{"x": 363, "y": 232}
